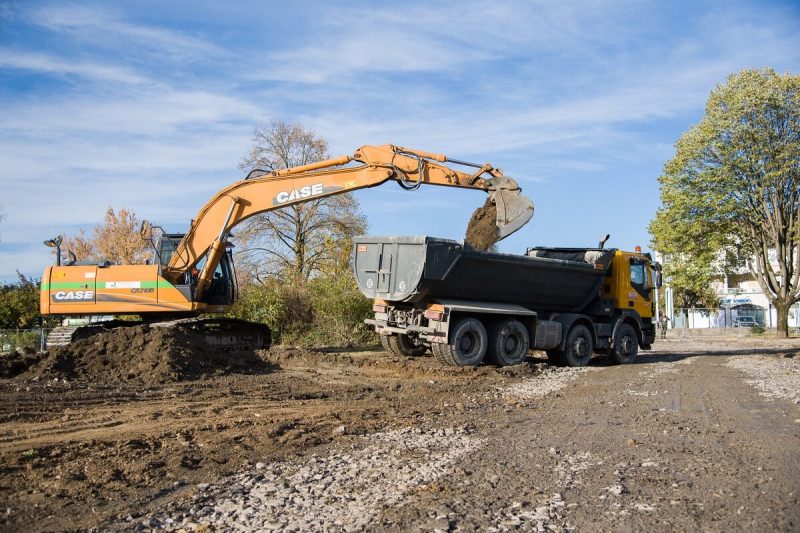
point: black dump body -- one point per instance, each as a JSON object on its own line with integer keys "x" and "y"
{"x": 413, "y": 269}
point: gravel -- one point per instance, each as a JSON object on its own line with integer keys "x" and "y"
{"x": 344, "y": 489}
{"x": 550, "y": 380}
{"x": 774, "y": 377}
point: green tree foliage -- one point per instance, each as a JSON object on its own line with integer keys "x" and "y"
{"x": 19, "y": 303}
{"x": 690, "y": 279}
{"x": 293, "y": 267}
{"x": 733, "y": 188}
{"x": 326, "y": 310}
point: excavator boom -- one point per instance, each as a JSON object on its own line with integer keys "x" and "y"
{"x": 194, "y": 273}
{"x": 369, "y": 166}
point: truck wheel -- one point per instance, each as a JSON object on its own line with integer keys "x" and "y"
{"x": 626, "y": 345}
{"x": 579, "y": 347}
{"x": 404, "y": 345}
{"x": 555, "y": 357}
{"x": 509, "y": 343}
{"x": 387, "y": 346}
{"x": 467, "y": 346}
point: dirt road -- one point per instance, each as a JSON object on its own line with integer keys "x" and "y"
{"x": 696, "y": 435}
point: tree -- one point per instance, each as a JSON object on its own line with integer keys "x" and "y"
{"x": 303, "y": 239}
{"x": 690, "y": 280}
{"x": 117, "y": 239}
{"x": 19, "y": 303}
{"x": 733, "y": 186}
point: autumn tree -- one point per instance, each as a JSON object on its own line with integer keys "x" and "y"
{"x": 117, "y": 239}
{"x": 299, "y": 240}
{"x": 733, "y": 186}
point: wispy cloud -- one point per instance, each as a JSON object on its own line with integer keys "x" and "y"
{"x": 143, "y": 112}
{"x": 560, "y": 94}
{"x": 49, "y": 64}
{"x": 102, "y": 25}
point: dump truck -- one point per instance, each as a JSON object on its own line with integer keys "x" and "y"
{"x": 469, "y": 306}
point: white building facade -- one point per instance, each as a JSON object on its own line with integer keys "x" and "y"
{"x": 740, "y": 296}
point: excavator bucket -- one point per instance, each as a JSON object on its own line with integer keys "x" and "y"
{"x": 513, "y": 209}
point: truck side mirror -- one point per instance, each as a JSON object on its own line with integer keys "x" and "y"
{"x": 659, "y": 279}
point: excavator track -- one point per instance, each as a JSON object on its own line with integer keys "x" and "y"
{"x": 223, "y": 334}
{"x": 219, "y": 334}
{"x": 65, "y": 335}
{"x": 60, "y": 336}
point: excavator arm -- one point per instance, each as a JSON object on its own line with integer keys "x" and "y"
{"x": 369, "y": 166}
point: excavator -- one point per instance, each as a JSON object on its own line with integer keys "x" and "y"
{"x": 193, "y": 274}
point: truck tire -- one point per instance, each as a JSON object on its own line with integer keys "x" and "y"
{"x": 555, "y": 357}
{"x": 467, "y": 346}
{"x": 626, "y": 345}
{"x": 508, "y": 343}
{"x": 387, "y": 345}
{"x": 401, "y": 345}
{"x": 579, "y": 346}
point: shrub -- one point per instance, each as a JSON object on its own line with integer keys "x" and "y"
{"x": 327, "y": 310}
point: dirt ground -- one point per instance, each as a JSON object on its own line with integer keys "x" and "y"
{"x": 700, "y": 434}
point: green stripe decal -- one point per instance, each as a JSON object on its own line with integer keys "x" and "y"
{"x": 161, "y": 284}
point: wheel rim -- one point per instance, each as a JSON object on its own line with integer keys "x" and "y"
{"x": 626, "y": 343}
{"x": 581, "y": 347}
{"x": 511, "y": 344}
{"x": 468, "y": 342}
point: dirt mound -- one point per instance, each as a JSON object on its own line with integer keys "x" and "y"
{"x": 482, "y": 228}
{"x": 146, "y": 355}
{"x": 15, "y": 363}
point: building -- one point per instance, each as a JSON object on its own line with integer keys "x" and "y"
{"x": 740, "y": 297}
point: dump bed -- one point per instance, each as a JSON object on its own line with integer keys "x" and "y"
{"x": 414, "y": 269}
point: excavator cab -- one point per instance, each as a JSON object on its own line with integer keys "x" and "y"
{"x": 222, "y": 287}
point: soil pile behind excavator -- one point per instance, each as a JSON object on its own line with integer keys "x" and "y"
{"x": 156, "y": 353}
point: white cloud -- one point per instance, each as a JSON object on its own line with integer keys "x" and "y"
{"x": 145, "y": 111}
{"x": 552, "y": 92}
{"x": 102, "y": 26}
{"x": 48, "y": 64}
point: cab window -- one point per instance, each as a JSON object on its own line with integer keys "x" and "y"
{"x": 167, "y": 250}
{"x": 637, "y": 272}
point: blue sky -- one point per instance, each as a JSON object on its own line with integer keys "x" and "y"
{"x": 151, "y": 105}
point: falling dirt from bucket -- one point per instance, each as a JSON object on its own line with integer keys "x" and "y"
{"x": 482, "y": 231}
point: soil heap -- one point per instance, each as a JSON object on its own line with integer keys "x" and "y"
{"x": 144, "y": 355}
{"x": 482, "y": 231}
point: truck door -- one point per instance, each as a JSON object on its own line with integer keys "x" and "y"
{"x": 640, "y": 286}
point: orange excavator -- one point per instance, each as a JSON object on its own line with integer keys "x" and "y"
{"x": 193, "y": 273}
